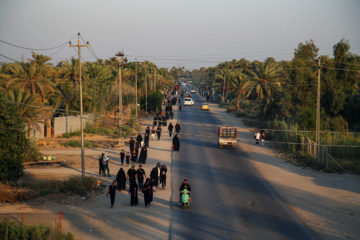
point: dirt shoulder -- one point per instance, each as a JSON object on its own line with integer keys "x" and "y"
{"x": 90, "y": 217}
{"x": 327, "y": 203}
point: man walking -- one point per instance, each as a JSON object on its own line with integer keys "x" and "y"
{"x": 141, "y": 175}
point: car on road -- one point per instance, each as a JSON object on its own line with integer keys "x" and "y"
{"x": 205, "y": 106}
{"x": 187, "y": 101}
{"x": 193, "y": 91}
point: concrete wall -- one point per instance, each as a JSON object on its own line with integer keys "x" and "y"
{"x": 69, "y": 123}
{"x": 38, "y": 134}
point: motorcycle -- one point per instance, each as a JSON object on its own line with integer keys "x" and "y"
{"x": 185, "y": 198}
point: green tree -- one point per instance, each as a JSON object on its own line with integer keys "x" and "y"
{"x": 13, "y": 141}
{"x": 29, "y": 75}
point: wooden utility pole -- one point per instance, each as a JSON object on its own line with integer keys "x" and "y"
{"x": 136, "y": 103}
{"x": 155, "y": 79}
{"x": 146, "y": 110}
{"x": 79, "y": 46}
{"x": 120, "y": 54}
{"x": 317, "y": 138}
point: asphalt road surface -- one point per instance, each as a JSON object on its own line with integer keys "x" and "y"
{"x": 229, "y": 199}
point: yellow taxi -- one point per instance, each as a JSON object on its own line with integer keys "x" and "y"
{"x": 205, "y": 106}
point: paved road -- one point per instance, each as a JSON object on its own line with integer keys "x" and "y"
{"x": 230, "y": 200}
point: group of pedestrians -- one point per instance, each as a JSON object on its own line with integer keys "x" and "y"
{"x": 136, "y": 183}
{"x": 137, "y": 178}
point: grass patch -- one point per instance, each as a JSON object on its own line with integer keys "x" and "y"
{"x": 248, "y": 123}
{"x": 75, "y": 143}
{"x": 12, "y": 230}
{"x": 72, "y": 134}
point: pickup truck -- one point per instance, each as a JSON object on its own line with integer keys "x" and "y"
{"x": 227, "y": 136}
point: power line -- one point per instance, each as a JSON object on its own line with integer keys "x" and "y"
{"x": 37, "y": 49}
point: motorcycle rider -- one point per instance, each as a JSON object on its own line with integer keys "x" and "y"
{"x": 183, "y": 186}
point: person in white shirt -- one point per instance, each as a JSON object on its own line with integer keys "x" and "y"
{"x": 257, "y": 137}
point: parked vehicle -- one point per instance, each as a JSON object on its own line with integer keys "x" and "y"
{"x": 227, "y": 136}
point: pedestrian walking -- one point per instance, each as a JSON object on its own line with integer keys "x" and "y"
{"x": 133, "y": 191}
{"x": 257, "y": 137}
{"x": 170, "y": 128}
{"x": 164, "y": 121}
{"x": 154, "y": 176}
{"x": 147, "y": 190}
{"x": 176, "y": 143}
{"x": 127, "y": 157}
{"x": 158, "y": 132}
{"x": 171, "y": 114}
{"x": 131, "y": 144}
{"x": 155, "y": 120}
{"x": 131, "y": 174}
{"x": 146, "y": 140}
{"x": 262, "y": 137}
{"x": 139, "y": 139}
{"x": 141, "y": 175}
{"x": 153, "y": 131}
{"x": 177, "y": 128}
{"x": 101, "y": 168}
{"x": 121, "y": 180}
{"x": 112, "y": 192}
{"x": 122, "y": 157}
{"x": 148, "y": 130}
{"x": 180, "y": 108}
{"x": 105, "y": 163}
{"x": 143, "y": 155}
{"x": 163, "y": 172}
{"x": 134, "y": 156}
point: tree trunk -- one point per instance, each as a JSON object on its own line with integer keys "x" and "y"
{"x": 238, "y": 101}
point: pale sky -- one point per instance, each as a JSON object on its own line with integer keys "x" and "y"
{"x": 192, "y": 33}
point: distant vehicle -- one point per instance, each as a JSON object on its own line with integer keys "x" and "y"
{"x": 205, "y": 106}
{"x": 193, "y": 91}
{"x": 227, "y": 136}
{"x": 187, "y": 102}
{"x": 184, "y": 84}
{"x": 190, "y": 82}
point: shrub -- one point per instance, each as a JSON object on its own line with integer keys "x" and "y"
{"x": 76, "y": 143}
{"x": 33, "y": 154}
{"x": 71, "y": 134}
{"x": 230, "y": 108}
{"x": 10, "y": 230}
{"x": 240, "y": 114}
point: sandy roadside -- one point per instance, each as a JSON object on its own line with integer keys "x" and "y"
{"x": 93, "y": 218}
{"x": 327, "y": 203}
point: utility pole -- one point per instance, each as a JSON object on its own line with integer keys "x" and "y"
{"x": 155, "y": 79}
{"x": 223, "y": 98}
{"x": 145, "y": 92}
{"x": 79, "y": 46}
{"x": 120, "y": 54}
{"x": 136, "y": 103}
{"x": 317, "y": 138}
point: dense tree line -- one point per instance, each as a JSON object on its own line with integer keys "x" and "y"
{"x": 35, "y": 90}
{"x": 287, "y": 90}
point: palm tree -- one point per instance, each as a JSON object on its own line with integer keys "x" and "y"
{"x": 264, "y": 81}
{"x": 223, "y": 80}
{"x": 30, "y": 108}
{"x": 237, "y": 84}
{"x": 29, "y": 75}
